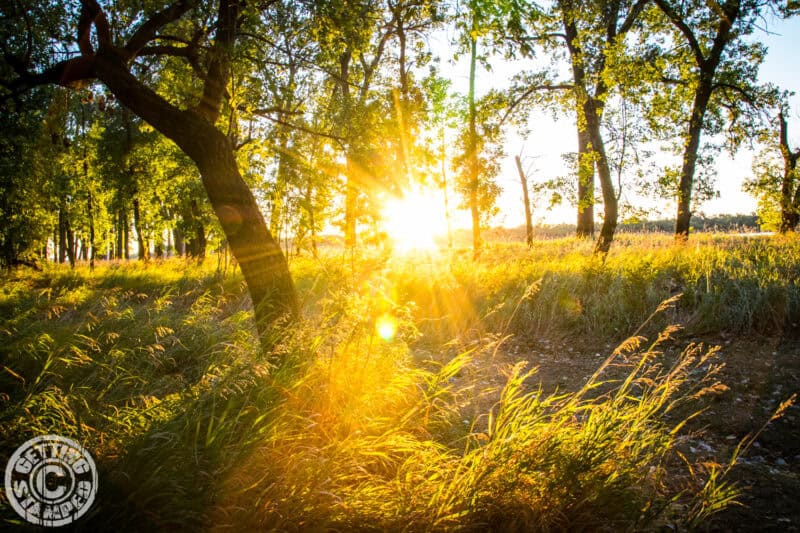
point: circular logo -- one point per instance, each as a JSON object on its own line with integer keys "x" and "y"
{"x": 51, "y": 481}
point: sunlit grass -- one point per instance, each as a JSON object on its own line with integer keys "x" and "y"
{"x": 380, "y": 414}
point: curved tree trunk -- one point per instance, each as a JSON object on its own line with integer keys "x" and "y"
{"x": 264, "y": 267}
{"x": 263, "y": 264}
{"x": 610, "y": 203}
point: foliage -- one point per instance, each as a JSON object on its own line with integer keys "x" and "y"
{"x": 765, "y": 185}
{"x": 24, "y": 213}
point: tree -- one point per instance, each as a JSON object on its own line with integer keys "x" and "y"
{"x": 471, "y": 144}
{"x": 440, "y": 115}
{"x": 526, "y": 202}
{"x": 790, "y": 184}
{"x": 776, "y": 182}
{"x": 479, "y": 140}
{"x": 112, "y": 54}
{"x": 724, "y": 68}
{"x": 414, "y": 20}
{"x": 593, "y": 35}
{"x": 353, "y": 37}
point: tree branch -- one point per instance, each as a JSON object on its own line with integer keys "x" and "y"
{"x": 746, "y": 95}
{"x": 535, "y": 88}
{"x": 147, "y": 31}
{"x": 299, "y": 127}
{"x": 218, "y": 69}
{"x": 66, "y": 73}
{"x": 684, "y": 29}
{"x": 168, "y": 50}
{"x": 632, "y": 16}
{"x": 92, "y": 13}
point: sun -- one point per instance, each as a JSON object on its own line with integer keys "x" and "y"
{"x": 413, "y": 221}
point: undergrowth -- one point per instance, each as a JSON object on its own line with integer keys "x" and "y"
{"x": 156, "y": 370}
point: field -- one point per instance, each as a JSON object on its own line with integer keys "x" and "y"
{"x": 527, "y": 390}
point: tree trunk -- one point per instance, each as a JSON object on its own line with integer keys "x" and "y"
{"x": 199, "y": 242}
{"x": 401, "y": 100}
{"x": 263, "y": 265}
{"x": 706, "y": 61}
{"x": 526, "y": 201}
{"x": 170, "y": 249}
{"x": 790, "y": 198}
{"x": 585, "y": 221}
{"x": 62, "y": 236}
{"x": 71, "y": 243}
{"x": 350, "y": 206}
{"x": 794, "y": 216}
{"x": 126, "y": 237}
{"x": 592, "y": 111}
{"x": 118, "y": 236}
{"x": 281, "y": 182}
{"x": 308, "y": 203}
{"x": 180, "y": 243}
{"x": 684, "y": 215}
{"x": 92, "y": 247}
{"x": 141, "y": 238}
{"x": 585, "y": 170}
{"x": 472, "y": 146}
{"x": 446, "y": 198}
{"x": 259, "y": 256}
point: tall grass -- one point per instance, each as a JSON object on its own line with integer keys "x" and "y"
{"x": 156, "y": 370}
{"x": 734, "y": 285}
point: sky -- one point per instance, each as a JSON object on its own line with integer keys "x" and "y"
{"x": 549, "y": 139}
